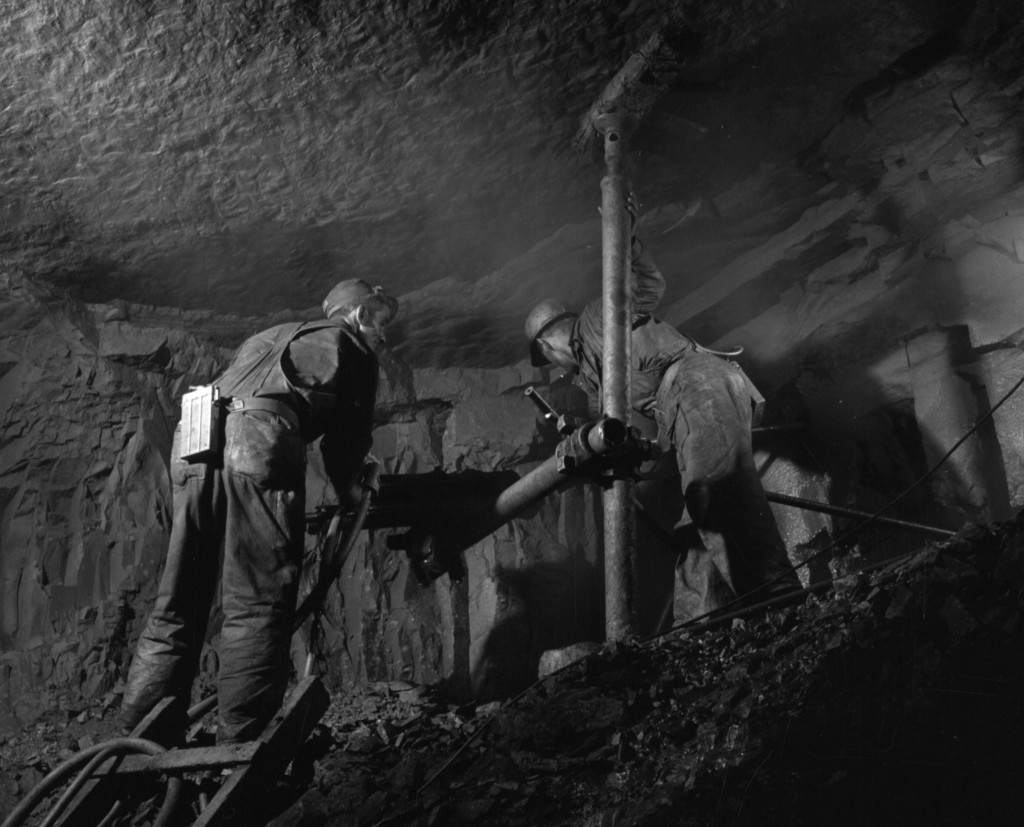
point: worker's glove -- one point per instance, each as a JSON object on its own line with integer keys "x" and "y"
{"x": 369, "y": 476}
{"x": 633, "y": 208}
{"x": 350, "y": 496}
{"x": 429, "y": 562}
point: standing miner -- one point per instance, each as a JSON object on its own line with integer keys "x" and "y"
{"x": 285, "y": 387}
{"x": 703, "y": 407}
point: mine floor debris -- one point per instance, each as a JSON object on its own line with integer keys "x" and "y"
{"x": 895, "y": 698}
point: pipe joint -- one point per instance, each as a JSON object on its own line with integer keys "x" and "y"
{"x": 579, "y": 451}
{"x": 607, "y": 447}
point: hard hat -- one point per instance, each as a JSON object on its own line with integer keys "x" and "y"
{"x": 351, "y": 293}
{"x": 542, "y": 316}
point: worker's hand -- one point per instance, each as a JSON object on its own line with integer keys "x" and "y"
{"x": 369, "y": 476}
{"x": 633, "y": 208}
{"x": 350, "y": 496}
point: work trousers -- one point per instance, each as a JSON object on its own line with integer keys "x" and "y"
{"x": 242, "y": 519}
{"x": 703, "y": 409}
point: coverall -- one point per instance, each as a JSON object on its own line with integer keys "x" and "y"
{"x": 703, "y": 407}
{"x": 290, "y": 384}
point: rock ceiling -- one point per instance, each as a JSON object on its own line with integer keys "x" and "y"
{"x": 239, "y": 156}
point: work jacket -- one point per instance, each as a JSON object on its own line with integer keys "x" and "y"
{"x": 655, "y": 345}
{"x": 326, "y": 374}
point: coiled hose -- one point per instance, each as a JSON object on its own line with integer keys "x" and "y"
{"x": 86, "y": 762}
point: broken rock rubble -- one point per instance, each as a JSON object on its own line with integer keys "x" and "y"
{"x": 880, "y": 699}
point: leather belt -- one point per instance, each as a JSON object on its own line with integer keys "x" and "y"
{"x": 263, "y": 403}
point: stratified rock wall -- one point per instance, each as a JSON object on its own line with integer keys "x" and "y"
{"x": 89, "y": 397}
{"x": 88, "y": 413}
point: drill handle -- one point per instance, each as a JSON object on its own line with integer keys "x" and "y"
{"x": 542, "y": 404}
{"x": 566, "y": 425}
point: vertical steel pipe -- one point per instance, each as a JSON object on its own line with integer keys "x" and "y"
{"x": 619, "y": 525}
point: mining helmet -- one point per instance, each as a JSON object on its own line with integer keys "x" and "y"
{"x": 352, "y": 292}
{"x": 541, "y": 317}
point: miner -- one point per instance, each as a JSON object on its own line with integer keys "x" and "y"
{"x": 239, "y": 514}
{"x": 703, "y": 406}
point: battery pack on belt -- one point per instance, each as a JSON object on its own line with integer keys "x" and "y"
{"x": 202, "y": 412}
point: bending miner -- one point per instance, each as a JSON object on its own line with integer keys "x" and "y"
{"x": 285, "y": 387}
{"x": 703, "y": 405}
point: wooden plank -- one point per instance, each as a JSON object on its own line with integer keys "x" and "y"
{"x": 233, "y": 804}
{"x": 187, "y": 760}
{"x": 97, "y": 796}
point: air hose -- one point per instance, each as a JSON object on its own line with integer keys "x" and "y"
{"x": 86, "y": 762}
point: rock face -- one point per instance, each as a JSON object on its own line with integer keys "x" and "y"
{"x": 88, "y": 410}
{"x": 874, "y": 281}
{"x": 90, "y": 400}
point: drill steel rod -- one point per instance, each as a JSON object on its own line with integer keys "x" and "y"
{"x": 619, "y": 527}
{"x": 840, "y": 511}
